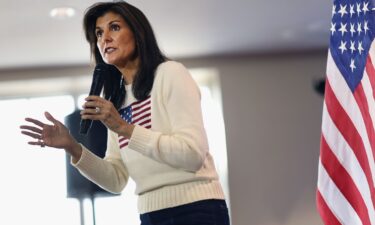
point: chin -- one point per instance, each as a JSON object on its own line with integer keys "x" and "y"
{"x": 110, "y": 62}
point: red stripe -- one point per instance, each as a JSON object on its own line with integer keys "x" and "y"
{"x": 145, "y": 122}
{"x": 360, "y": 97}
{"x": 140, "y": 102}
{"x": 349, "y": 132}
{"x": 325, "y": 212}
{"x": 371, "y": 74}
{"x": 135, "y": 108}
{"x": 124, "y": 145}
{"x": 343, "y": 181}
{"x": 122, "y": 139}
{"x": 140, "y": 112}
{"x": 140, "y": 118}
{"x": 370, "y": 70}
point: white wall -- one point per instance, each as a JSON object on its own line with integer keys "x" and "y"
{"x": 273, "y": 118}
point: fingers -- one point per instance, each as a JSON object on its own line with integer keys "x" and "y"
{"x": 39, "y": 142}
{"x": 31, "y": 128}
{"x": 94, "y": 107}
{"x": 93, "y": 104}
{"x": 31, "y": 134}
{"x": 34, "y": 121}
{"x": 39, "y": 130}
{"x": 94, "y": 101}
{"x": 94, "y": 98}
{"x": 37, "y": 136}
{"x": 51, "y": 118}
{"x": 92, "y": 111}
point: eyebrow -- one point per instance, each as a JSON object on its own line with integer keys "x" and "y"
{"x": 113, "y": 21}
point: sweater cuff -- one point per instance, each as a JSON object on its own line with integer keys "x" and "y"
{"x": 86, "y": 161}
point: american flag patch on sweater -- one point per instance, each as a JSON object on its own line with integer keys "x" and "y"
{"x": 138, "y": 113}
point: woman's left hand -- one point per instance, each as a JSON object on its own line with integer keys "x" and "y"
{"x": 98, "y": 108}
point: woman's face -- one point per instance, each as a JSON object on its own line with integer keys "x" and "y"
{"x": 115, "y": 40}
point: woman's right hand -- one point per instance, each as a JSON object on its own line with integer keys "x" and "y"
{"x": 56, "y": 135}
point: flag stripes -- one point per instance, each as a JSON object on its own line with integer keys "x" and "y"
{"x": 137, "y": 113}
{"x": 335, "y": 201}
{"x": 345, "y": 155}
{"x": 347, "y": 150}
{"x": 370, "y": 74}
{"x": 363, "y": 104}
{"x": 344, "y": 182}
{"x": 346, "y": 101}
{"x": 346, "y": 176}
{"x": 348, "y": 130}
{"x": 325, "y": 211}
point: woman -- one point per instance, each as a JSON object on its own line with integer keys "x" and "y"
{"x": 155, "y": 128}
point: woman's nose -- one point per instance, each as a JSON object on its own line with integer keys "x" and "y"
{"x": 106, "y": 36}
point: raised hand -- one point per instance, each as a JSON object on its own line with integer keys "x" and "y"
{"x": 55, "y": 135}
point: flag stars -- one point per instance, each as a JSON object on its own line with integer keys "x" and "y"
{"x": 333, "y": 10}
{"x": 342, "y": 10}
{"x": 359, "y": 8}
{"x": 343, "y": 29}
{"x": 359, "y": 28}
{"x": 360, "y": 48}
{"x": 352, "y": 28}
{"x": 352, "y": 65}
{"x": 333, "y": 28}
{"x": 352, "y": 46}
{"x": 343, "y": 47}
{"x": 349, "y": 29}
{"x": 351, "y": 11}
{"x": 365, "y": 27}
{"x": 365, "y": 8}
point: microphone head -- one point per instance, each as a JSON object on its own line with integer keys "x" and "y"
{"x": 98, "y": 78}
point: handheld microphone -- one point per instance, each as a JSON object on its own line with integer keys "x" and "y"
{"x": 96, "y": 88}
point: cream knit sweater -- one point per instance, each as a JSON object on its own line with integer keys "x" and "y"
{"x": 168, "y": 159}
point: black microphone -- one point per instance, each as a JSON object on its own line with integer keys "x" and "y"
{"x": 96, "y": 87}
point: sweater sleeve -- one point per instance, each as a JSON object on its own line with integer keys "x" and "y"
{"x": 185, "y": 145}
{"x": 109, "y": 173}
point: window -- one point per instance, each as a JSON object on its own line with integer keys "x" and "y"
{"x": 33, "y": 189}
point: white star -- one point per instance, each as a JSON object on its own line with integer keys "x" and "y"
{"x": 342, "y": 10}
{"x": 365, "y": 8}
{"x": 343, "y": 47}
{"x": 352, "y": 65}
{"x": 360, "y": 48}
{"x": 359, "y": 28}
{"x": 352, "y": 47}
{"x": 333, "y": 28}
{"x": 352, "y": 10}
{"x": 365, "y": 26}
{"x": 359, "y": 8}
{"x": 352, "y": 29}
{"x": 343, "y": 29}
{"x": 333, "y": 10}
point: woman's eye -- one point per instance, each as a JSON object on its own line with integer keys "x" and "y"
{"x": 99, "y": 33}
{"x": 115, "y": 27}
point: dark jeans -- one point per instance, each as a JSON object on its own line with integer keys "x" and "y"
{"x": 205, "y": 212}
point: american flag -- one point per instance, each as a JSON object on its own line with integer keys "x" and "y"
{"x": 345, "y": 193}
{"x": 138, "y": 113}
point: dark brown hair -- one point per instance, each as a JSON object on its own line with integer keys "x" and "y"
{"x": 146, "y": 48}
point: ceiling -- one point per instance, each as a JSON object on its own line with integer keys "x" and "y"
{"x": 184, "y": 29}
